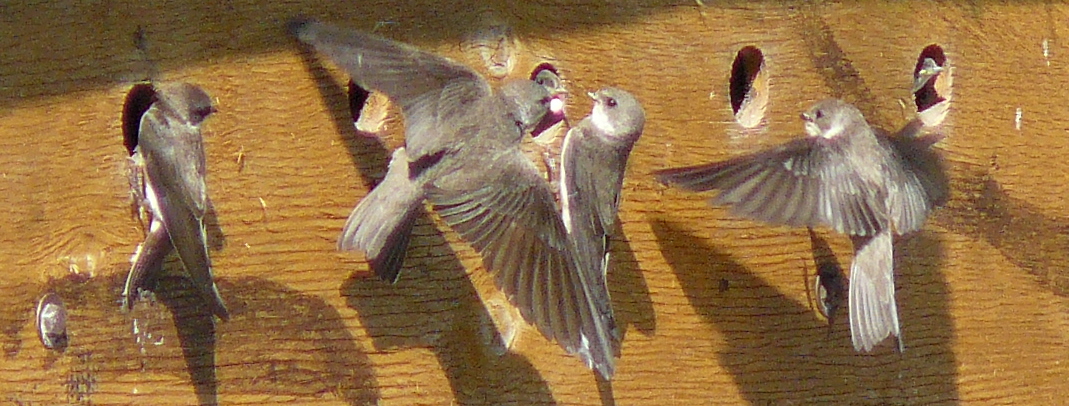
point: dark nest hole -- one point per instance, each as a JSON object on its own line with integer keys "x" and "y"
{"x": 927, "y": 96}
{"x": 137, "y": 102}
{"x": 744, "y": 70}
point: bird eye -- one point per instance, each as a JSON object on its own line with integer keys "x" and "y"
{"x": 820, "y": 114}
{"x": 198, "y": 115}
{"x": 611, "y": 102}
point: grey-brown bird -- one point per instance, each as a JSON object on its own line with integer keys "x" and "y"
{"x": 462, "y": 153}
{"x": 168, "y": 180}
{"x": 593, "y": 161}
{"x": 846, "y": 176}
{"x": 928, "y": 70}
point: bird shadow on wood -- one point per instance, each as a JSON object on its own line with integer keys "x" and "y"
{"x": 216, "y": 238}
{"x": 290, "y": 343}
{"x": 17, "y": 306}
{"x": 433, "y": 304}
{"x": 278, "y": 341}
{"x": 195, "y": 327}
{"x": 777, "y": 349}
{"x": 285, "y": 343}
{"x": 367, "y": 151}
{"x": 829, "y": 273}
{"x": 1019, "y": 230}
{"x": 630, "y": 293}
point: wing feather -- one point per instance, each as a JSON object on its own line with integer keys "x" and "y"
{"x": 511, "y": 214}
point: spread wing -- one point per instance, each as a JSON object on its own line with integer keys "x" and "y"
{"x": 922, "y": 184}
{"x": 509, "y": 216}
{"x": 801, "y": 183}
{"x": 428, "y": 87}
{"x": 174, "y": 163}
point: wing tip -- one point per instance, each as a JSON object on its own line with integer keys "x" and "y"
{"x": 691, "y": 178}
{"x": 664, "y": 177}
{"x": 606, "y": 370}
{"x": 599, "y": 358}
{"x": 679, "y": 177}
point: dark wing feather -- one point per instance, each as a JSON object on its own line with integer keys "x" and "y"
{"x": 174, "y": 163}
{"x": 509, "y": 216}
{"x": 147, "y": 259}
{"x": 381, "y": 224}
{"x": 428, "y": 87}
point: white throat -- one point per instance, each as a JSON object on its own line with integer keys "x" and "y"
{"x": 835, "y": 129}
{"x": 813, "y": 130}
{"x": 601, "y": 121}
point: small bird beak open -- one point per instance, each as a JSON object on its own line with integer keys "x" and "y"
{"x": 805, "y": 117}
{"x": 556, "y": 106}
{"x": 553, "y": 116}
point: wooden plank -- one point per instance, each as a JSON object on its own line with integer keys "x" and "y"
{"x": 981, "y": 289}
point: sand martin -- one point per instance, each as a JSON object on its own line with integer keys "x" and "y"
{"x": 846, "y": 176}
{"x": 462, "y": 154}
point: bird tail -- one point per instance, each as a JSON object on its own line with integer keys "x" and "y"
{"x": 873, "y": 312}
{"x": 382, "y": 223}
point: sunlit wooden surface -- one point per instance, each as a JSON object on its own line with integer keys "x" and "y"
{"x": 981, "y": 289}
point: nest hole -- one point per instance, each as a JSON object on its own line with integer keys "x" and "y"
{"x": 138, "y": 100}
{"x": 927, "y": 95}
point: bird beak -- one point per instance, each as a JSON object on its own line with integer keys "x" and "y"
{"x": 592, "y": 95}
{"x": 805, "y": 117}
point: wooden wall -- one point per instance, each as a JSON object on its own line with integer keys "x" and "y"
{"x": 981, "y": 289}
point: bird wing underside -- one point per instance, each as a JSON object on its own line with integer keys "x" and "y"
{"x": 510, "y": 217}
{"x": 796, "y": 184}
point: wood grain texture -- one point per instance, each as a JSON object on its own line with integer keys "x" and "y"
{"x": 981, "y": 290}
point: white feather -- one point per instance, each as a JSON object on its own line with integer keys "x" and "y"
{"x": 601, "y": 120}
{"x": 565, "y": 200}
{"x": 153, "y": 204}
